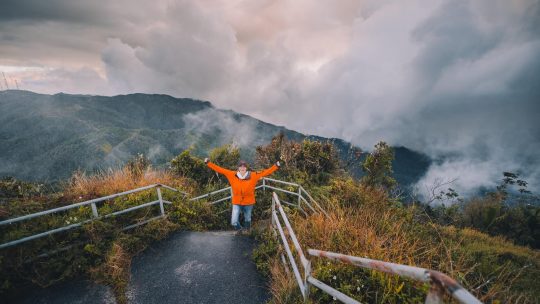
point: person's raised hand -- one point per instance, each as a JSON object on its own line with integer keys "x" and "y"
{"x": 206, "y": 160}
{"x": 278, "y": 164}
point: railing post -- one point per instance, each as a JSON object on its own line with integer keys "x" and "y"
{"x": 307, "y": 274}
{"x": 435, "y": 294}
{"x": 94, "y": 210}
{"x": 160, "y": 201}
{"x": 273, "y": 210}
{"x": 299, "y": 196}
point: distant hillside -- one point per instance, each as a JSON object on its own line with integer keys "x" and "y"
{"x": 47, "y": 137}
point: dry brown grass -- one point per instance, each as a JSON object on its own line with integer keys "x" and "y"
{"x": 377, "y": 230}
{"x": 282, "y": 285}
{"x": 115, "y": 272}
{"x": 105, "y": 183}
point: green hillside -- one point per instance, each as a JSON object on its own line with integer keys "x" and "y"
{"x": 48, "y": 137}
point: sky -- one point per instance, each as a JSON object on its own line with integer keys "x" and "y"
{"x": 456, "y": 79}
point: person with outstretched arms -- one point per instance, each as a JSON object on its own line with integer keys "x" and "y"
{"x": 243, "y": 183}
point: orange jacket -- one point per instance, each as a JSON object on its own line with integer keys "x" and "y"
{"x": 243, "y": 190}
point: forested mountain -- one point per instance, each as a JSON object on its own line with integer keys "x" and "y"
{"x": 47, "y": 137}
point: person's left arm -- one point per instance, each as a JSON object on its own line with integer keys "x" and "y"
{"x": 270, "y": 170}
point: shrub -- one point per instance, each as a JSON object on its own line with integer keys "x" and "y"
{"x": 378, "y": 167}
{"x": 189, "y": 166}
{"x": 306, "y": 162}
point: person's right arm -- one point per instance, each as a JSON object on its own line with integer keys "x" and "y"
{"x": 217, "y": 168}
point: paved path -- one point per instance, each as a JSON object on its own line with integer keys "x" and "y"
{"x": 187, "y": 267}
{"x": 77, "y": 291}
{"x": 197, "y": 267}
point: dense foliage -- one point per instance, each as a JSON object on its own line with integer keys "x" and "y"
{"x": 308, "y": 162}
{"x": 378, "y": 167}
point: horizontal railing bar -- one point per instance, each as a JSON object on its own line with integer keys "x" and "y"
{"x": 171, "y": 188}
{"x": 308, "y": 204}
{"x": 29, "y": 216}
{"x": 287, "y": 203}
{"x": 223, "y": 211}
{"x": 331, "y": 291}
{"x": 282, "y": 182}
{"x": 43, "y": 234}
{"x": 282, "y": 190}
{"x": 416, "y": 273}
{"x": 411, "y": 272}
{"x": 289, "y": 254}
{"x": 129, "y": 209}
{"x": 291, "y": 232}
{"x": 221, "y": 200}
{"x": 143, "y": 222}
{"x": 314, "y": 201}
{"x": 210, "y": 193}
{"x": 54, "y": 231}
{"x": 79, "y": 243}
{"x": 199, "y": 197}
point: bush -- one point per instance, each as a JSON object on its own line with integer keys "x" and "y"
{"x": 306, "y": 162}
{"x": 378, "y": 167}
{"x": 189, "y": 166}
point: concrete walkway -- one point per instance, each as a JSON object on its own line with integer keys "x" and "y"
{"x": 197, "y": 267}
{"x": 186, "y": 267}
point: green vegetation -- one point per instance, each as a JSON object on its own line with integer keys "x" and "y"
{"x": 378, "y": 167}
{"x": 510, "y": 211}
{"x": 365, "y": 219}
{"x": 99, "y": 249}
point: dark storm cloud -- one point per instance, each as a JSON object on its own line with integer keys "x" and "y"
{"x": 63, "y": 32}
{"x": 456, "y": 79}
{"x": 54, "y": 10}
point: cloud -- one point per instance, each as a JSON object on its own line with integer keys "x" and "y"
{"x": 222, "y": 125}
{"x": 455, "y": 79}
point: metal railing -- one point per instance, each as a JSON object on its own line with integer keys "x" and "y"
{"x": 95, "y": 214}
{"x": 439, "y": 282}
{"x": 304, "y": 198}
{"x": 266, "y": 183}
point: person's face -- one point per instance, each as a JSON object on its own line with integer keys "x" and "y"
{"x": 242, "y": 169}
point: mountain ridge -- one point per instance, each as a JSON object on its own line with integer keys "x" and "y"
{"x": 48, "y": 137}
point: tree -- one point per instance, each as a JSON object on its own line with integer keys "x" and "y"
{"x": 226, "y": 156}
{"x": 307, "y": 161}
{"x": 138, "y": 165}
{"x": 378, "y": 167}
{"x": 190, "y": 166}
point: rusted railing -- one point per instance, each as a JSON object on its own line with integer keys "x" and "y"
{"x": 440, "y": 282}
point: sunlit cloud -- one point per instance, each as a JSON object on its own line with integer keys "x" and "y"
{"x": 444, "y": 77}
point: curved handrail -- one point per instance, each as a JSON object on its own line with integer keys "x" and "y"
{"x": 439, "y": 282}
